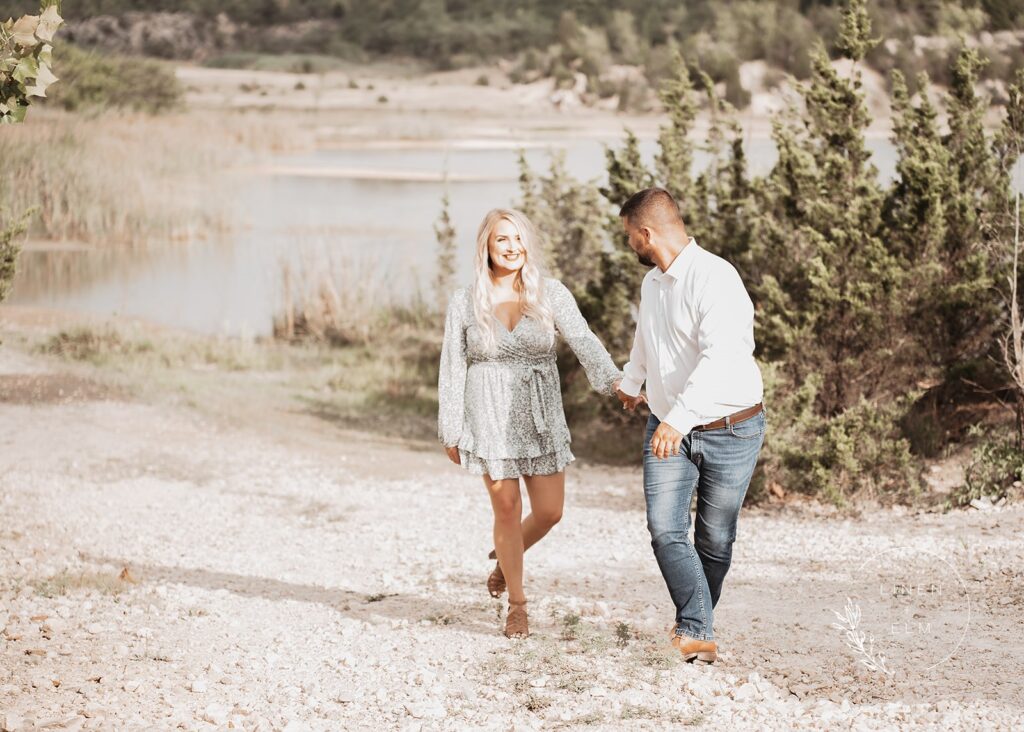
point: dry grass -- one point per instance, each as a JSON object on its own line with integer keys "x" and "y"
{"x": 385, "y": 353}
{"x": 64, "y": 583}
{"x": 335, "y": 299}
{"x": 130, "y": 347}
{"x": 94, "y": 345}
{"x": 129, "y": 179}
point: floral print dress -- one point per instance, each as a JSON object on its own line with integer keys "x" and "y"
{"x": 503, "y": 408}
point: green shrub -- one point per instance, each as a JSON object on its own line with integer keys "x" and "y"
{"x": 721, "y": 64}
{"x": 92, "y": 81}
{"x": 9, "y": 229}
{"x": 633, "y": 95}
{"x": 623, "y": 37}
{"x": 996, "y": 468}
{"x": 87, "y": 344}
{"x": 861, "y": 451}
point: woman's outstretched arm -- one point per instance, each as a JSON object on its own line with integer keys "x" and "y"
{"x": 572, "y": 326}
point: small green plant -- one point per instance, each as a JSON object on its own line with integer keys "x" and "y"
{"x": 656, "y": 659}
{"x": 9, "y": 249}
{"x": 571, "y": 626}
{"x": 996, "y": 468}
{"x": 86, "y": 344}
{"x": 65, "y": 582}
{"x": 633, "y": 711}
{"x": 444, "y": 232}
{"x": 535, "y": 703}
{"x": 441, "y": 618}
{"x": 623, "y": 634}
{"x": 572, "y": 682}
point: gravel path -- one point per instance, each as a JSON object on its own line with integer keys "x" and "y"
{"x": 164, "y": 569}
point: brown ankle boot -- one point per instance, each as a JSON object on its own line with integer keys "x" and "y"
{"x": 695, "y": 650}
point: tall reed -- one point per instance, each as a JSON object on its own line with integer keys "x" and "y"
{"x": 332, "y": 298}
{"x": 119, "y": 179}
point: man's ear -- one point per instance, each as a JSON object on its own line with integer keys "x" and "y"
{"x": 647, "y": 233}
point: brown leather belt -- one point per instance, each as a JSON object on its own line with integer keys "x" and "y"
{"x": 740, "y": 416}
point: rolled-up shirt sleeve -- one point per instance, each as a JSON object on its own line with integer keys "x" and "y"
{"x": 726, "y": 343}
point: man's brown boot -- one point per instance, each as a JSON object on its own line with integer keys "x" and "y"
{"x": 695, "y": 650}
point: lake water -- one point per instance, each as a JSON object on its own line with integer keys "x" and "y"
{"x": 371, "y": 212}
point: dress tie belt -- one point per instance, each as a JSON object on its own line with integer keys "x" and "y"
{"x": 534, "y": 375}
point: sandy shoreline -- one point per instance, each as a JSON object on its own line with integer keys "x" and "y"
{"x": 374, "y": 107}
{"x": 394, "y": 110}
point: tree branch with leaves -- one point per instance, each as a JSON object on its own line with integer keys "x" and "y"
{"x": 26, "y": 46}
{"x": 25, "y": 56}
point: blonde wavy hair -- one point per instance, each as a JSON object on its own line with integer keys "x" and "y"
{"x": 529, "y": 282}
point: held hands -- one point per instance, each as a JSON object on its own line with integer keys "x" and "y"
{"x": 453, "y": 455}
{"x": 666, "y": 441}
{"x": 629, "y": 402}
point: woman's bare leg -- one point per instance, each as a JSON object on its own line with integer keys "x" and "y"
{"x": 507, "y": 503}
{"x": 547, "y": 499}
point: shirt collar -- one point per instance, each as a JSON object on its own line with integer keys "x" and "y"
{"x": 678, "y": 266}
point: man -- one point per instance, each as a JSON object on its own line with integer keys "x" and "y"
{"x": 694, "y": 347}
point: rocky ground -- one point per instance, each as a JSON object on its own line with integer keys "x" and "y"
{"x": 172, "y": 566}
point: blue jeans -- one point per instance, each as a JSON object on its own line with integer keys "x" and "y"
{"x": 719, "y": 464}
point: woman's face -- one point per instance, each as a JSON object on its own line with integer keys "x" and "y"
{"x": 506, "y": 248}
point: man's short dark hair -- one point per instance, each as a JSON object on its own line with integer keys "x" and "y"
{"x": 651, "y": 205}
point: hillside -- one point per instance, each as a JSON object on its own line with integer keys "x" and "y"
{"x": 556, "y": 40}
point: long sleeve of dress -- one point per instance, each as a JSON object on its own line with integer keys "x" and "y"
{"x": 451, "y": 382}
{"x": 572, "y": 326}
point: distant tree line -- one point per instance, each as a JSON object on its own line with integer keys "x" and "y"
{"x": 562, "y": 38}
{"x": 655, "y": 17}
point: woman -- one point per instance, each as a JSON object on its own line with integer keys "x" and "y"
{"x": 500, "y": 407}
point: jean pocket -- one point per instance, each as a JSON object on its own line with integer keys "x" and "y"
{"x": 749, "y": 429}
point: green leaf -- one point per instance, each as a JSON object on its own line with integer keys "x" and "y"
{"x": 49, "y": 22}
{"x": 27, "y": 68}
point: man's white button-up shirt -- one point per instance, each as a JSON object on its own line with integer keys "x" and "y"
{"x": 694, "y": 342}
